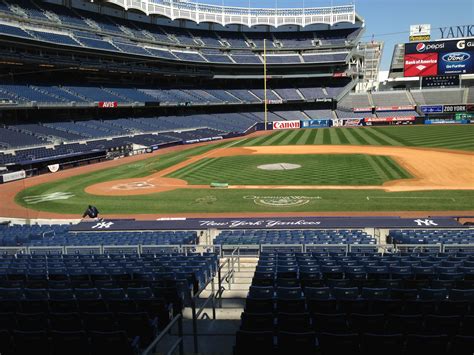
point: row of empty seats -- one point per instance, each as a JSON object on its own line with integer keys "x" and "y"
{"x": 93, "y": 26}
{"x": 313, "y": 309}
{"x": 83, "y": 94}
{"x": 249, "y": 237}
{"x": 462, "y": 236}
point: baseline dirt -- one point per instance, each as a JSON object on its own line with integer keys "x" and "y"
{"x": 432, "y": 169}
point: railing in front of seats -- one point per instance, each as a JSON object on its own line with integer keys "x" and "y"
{"x": 233, "y": 252}
{"x": 199, "y": 313}
{"x": 179, "y": 343}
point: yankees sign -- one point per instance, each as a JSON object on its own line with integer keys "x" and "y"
{"x": 269, "y": 223}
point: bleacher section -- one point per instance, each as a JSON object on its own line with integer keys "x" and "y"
{"x": 359, "y": 303}
{"x": 253, "y": 237}
{"x": 87, "y": 131}
{"x": 75, "y": 27}
{"x": 390, "y": 98}
{"x": 96, "y": 303}
{"x": 438, "y": 96}
{"x": 68, "y": 94}
{"x": 432, "y": 237}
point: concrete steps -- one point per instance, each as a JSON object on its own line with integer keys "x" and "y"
{"x": 217, "y": 336}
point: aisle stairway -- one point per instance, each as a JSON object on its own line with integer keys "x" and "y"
{"x": 218, "y": 336}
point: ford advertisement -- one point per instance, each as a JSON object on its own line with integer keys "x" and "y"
{"x": 456, "y": 63}
{"x": 439, "y": 58}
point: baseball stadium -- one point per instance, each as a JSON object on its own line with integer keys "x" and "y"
{"x": 183, "y": 177}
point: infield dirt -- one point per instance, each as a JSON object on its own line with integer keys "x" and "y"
{"x": 432, "y": 169}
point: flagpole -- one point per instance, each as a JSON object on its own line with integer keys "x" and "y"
{"x": 265, "y": 81}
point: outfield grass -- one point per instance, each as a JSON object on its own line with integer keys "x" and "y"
{"x": 218, "y": 201}
{"x": 459, "y": 137}
{"x": 316, "y": 169}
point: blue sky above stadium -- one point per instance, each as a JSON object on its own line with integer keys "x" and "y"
{"x": 386, "y": 20}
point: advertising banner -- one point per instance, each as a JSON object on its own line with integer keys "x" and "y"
{"x": 389, "y": 119}
{"x": 108, "y": 104}
{"x": 295, "y": 124}
{"x": 362, "y": 109}
{"x": 17, "y": 175}
{"x": 420, "y": 32}
{"x": 439, "y": 58}
{"x": 315, "y": 123}
{"x": 54, "y": 168}
{"x": 456, "y": 63}
{"x": 267, "y": 223}
{"x": 441, "y": 121}
{"x": 347, "y": 122}
{"x": 464, "y": 116}
{"x": 432, "y": 109}
{"x": 454, "y": 108}
{"x": 395, "y": 108}
{"x": 422, "y": 64}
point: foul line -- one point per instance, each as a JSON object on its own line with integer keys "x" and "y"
{"x": 413, "y": 197}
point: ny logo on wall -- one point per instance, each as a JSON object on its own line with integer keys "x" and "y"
{"x": 103, "y": 225}
{"x": 425, "y": 222}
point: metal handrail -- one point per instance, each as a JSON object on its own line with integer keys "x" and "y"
{"x": 152, "y": 347}
{"x": 196, "y": 315}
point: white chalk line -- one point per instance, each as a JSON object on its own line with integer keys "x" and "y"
{"x": 410, "y": 197}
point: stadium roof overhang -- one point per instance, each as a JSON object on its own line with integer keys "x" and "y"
{"x": 224, "y": 15}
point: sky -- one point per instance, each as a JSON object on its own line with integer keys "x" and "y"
{"x": 386, "y": 20}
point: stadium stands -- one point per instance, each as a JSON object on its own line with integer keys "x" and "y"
{"x": 391, "y": 98}
{"x": 358, "y": 302}
{"x": 438, "y": 96}
{"x": 249, "y": 237}
{"x": 93, "y": 94}
{"x": 432, "y": 236}
{"x": 92, "y": 30}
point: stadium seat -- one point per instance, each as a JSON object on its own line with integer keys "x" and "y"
{"x": 257, "y": 321}
{"x": 430, "y": 344}
{"x": 293, "y": 322}
{"x": 305, "y": 343}
{"x": 390, "y": 344}
{"x": 70, "y": 342}
{"x": 66, "y": 322}
{"x": 254, "y": 342}
{"x": 115, "y": 342}
{"x": 344, "y": 343}
{"x": 29, "y": 342}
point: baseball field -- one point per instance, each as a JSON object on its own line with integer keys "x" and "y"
{"x": 371, "y": 170}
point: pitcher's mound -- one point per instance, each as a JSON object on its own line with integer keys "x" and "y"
{"x": 279, "y": 166}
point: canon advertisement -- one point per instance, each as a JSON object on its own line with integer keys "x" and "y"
{"x": 439, "y": 58}
{"x": 286, "y": 124}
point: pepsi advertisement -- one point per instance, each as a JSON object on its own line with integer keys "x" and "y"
{"x": 439, "y": 58}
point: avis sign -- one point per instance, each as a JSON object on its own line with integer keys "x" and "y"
{"x": 296, "y": 124}
{"x": 108, "y": 104}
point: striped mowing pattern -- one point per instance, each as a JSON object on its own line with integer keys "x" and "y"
{"x": 330, "y": 169}
{"x": 459, "y": 137}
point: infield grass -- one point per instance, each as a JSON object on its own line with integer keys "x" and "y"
{"x": 316, "y": 169}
